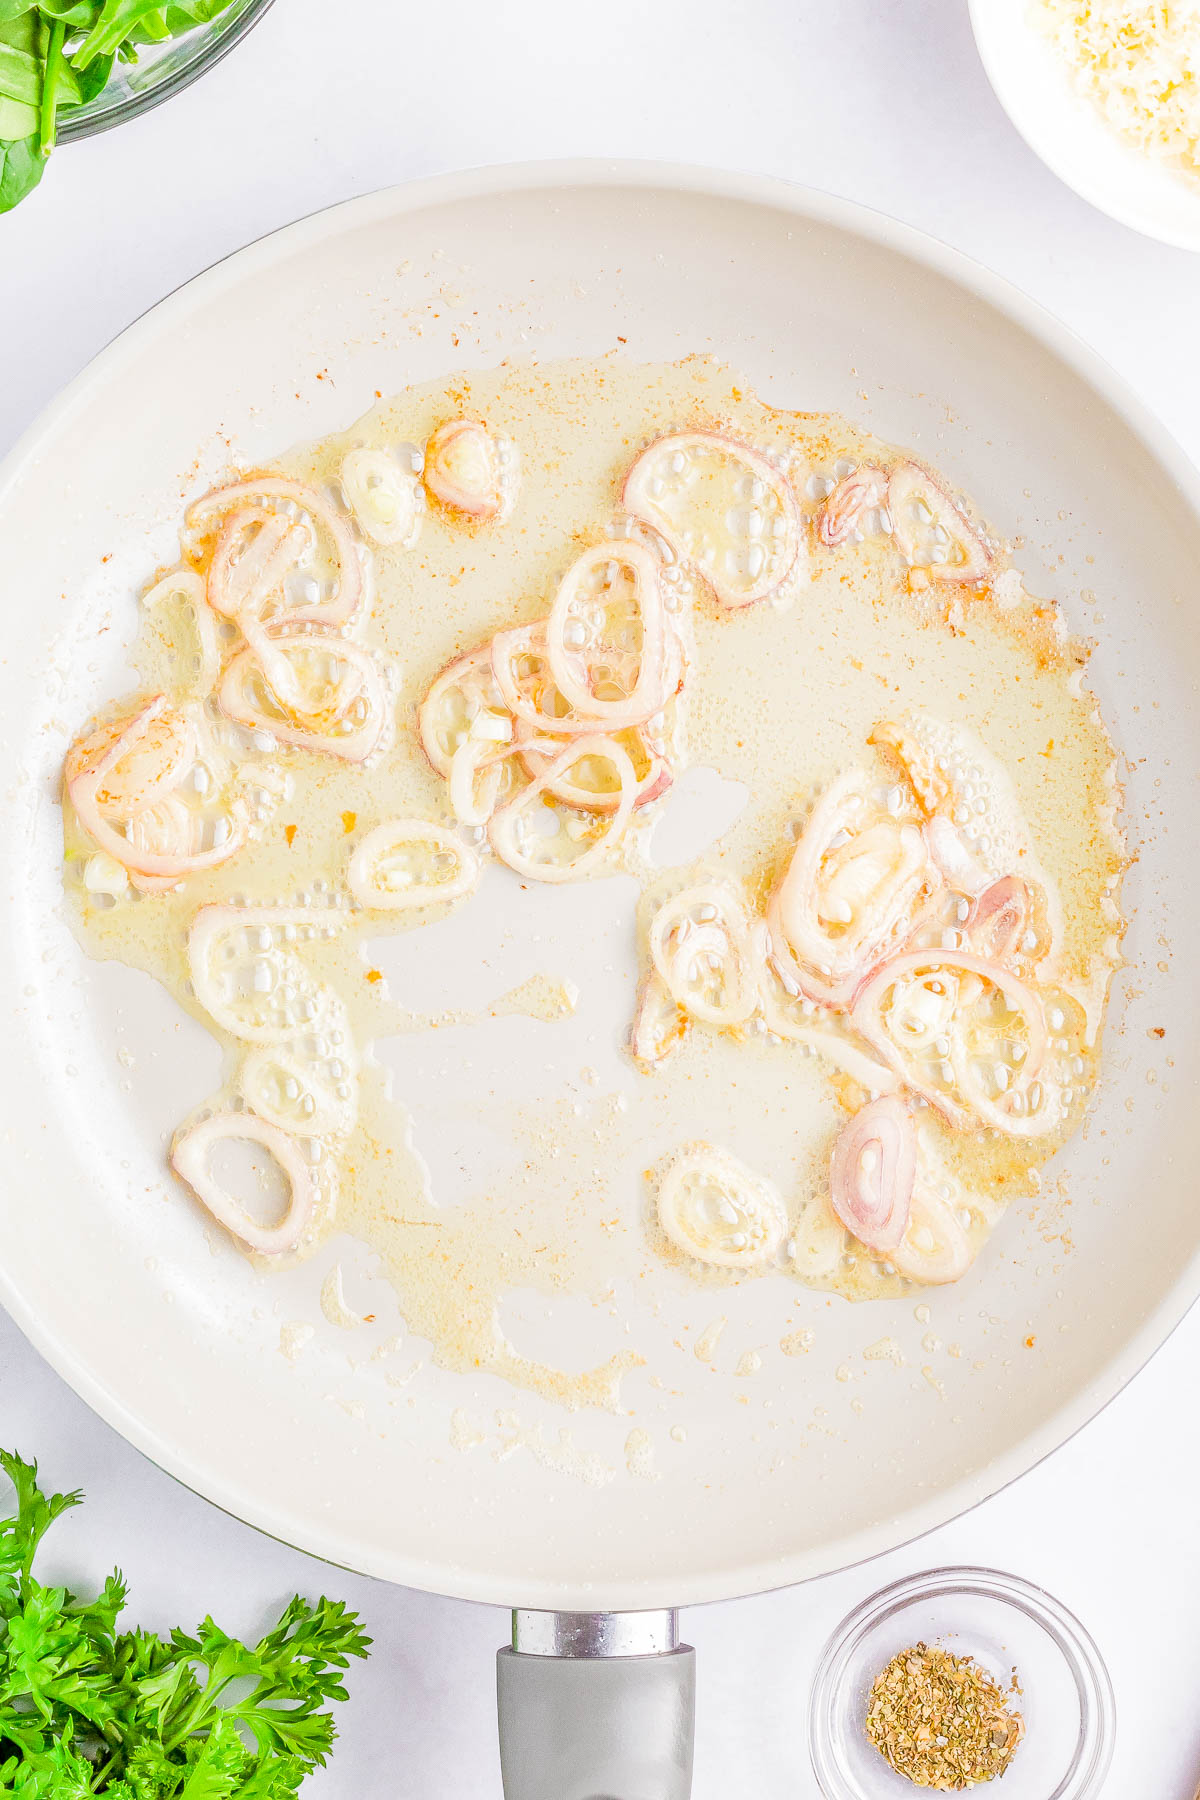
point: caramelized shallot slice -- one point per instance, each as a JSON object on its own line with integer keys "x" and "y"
{"x": 407, "y": 863}
{"x": 337, "y": 700}
{"x": 659, "y": 1022}
{"x": 463, "y": 702}
{"x": 701, "y": 947}
{"x": 872, "y": 1172}
{"x": 191, "y": 1158}
{"x": 715, "y": 1209}
{"x": 853, "y": 496}
{"x": 514, "y": 832}
{"x": 857, "y": 883}
{"x": 387, "y": 500}
{"x": 724, "y": 509}
{"x": 930, "y": 531}
{"x": 605, "y": 637}
{"x": 472, "y": 470}
{"x": 966, "y": 1034}
{"x": 275, "y": 497}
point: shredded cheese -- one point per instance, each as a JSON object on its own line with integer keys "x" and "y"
{"x": 1138, "y": 61}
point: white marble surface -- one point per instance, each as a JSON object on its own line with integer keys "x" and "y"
{"x": 882, "y": 100}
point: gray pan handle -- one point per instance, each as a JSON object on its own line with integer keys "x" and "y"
{"x": 596, "y": 1706}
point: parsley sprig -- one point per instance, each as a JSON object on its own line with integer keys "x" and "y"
{"x": 87, "y": 1709}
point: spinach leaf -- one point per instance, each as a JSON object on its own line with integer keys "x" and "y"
{"x": 21, "y": 165}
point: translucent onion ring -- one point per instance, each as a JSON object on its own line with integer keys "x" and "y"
{"x": 828, "y": 969}
{"x": 212, "y": 924}
{"x": 355, "y": 746}
{"x": 363, "y": 874}
{"x": 1003, "y": 916}
{"x": 447, "y": 474}
{"x": 659, "y": 1022}
{"x": 853, "y": 495}
{"x": 471, "y": 671}
{"x": 84, "y": 785}
{"x": 190, "y": 1159}
{"x": 952, "y": 855}
{"x": 648, "y": 693}
{"x": 332, "y": 1115}
{"x": 637, "y": 498}
{"x": 351, "y": 586}
{"x": 190, "y": 586}
{"x": 872, "y": 1172}
{"x": 867, "y": 1015}
{"x": 746, "y": 1240}
{"x": 727, "y": 935}
{"x": 503, "y": 825}
{"x": 908, "y": 484}
{"x": 934, "y": 1249}
{"x": 242, "y": 577}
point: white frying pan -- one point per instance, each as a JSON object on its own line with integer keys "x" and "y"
{"x": 175, "y": 1340}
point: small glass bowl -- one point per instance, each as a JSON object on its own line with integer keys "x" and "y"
{"x": 160, "y": 71}
{"x": 1066, "y": 1697}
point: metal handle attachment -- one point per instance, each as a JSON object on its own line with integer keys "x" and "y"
{"x": 596, "y": 1706}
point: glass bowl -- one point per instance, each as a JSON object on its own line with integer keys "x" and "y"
{"x": 1066, "y": 1697}
{"x": 160, "y": 71}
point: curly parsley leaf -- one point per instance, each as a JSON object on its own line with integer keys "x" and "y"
{"x": 86, "y": 1709}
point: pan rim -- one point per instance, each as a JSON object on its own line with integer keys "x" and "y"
{"x": 734, "y": 1578}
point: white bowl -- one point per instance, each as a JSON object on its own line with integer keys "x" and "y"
{"x": 1034, "y": 86}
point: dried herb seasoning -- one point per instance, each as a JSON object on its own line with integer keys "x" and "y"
{"x": 941, "y": 1720}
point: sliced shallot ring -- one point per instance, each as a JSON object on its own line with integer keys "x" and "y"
{"x": 85, "y": 784}
{"x": 188, "y": 585}
{"x": 854, "y": 495}
{"x": 648, "y": 694}
{"x": 783, "y": 556}
{"x": 659, "y": 1022}
{"x": 244, "y": 576}
{"x": 190, "y": 1159}
{"x": 472, "y": 470}
{"x": 1004, "y": 915}
{"x": 476, "y": 761}
{"x": 872, "y": 1171}
{"x": 212, "y": 924}
{"x": 530, "y": 640}
{"x": 470, "y": 671}
{"x": 400, "y": 486}
{"x": 332, "y": 1114}
{"x": 953, "y": 856}
{"x": 535, "y": 754}
{"x": 158, "y": 766}
{"x": 742, "y": 1230}
{"x": 934, "y": 1249}
{"x": 350, "y": 585}
{"x": 355, "y": 746}
{"x": 366, "y": 875}
{"x": 503, "y": 827}
{"x": 867, "y": 1016}
{"x": 726, "y": 935}
{"x": 829, "y": 969}
{"x": 909, "y": 485}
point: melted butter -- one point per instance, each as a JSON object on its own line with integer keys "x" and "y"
{"x": 778, "y": 702}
